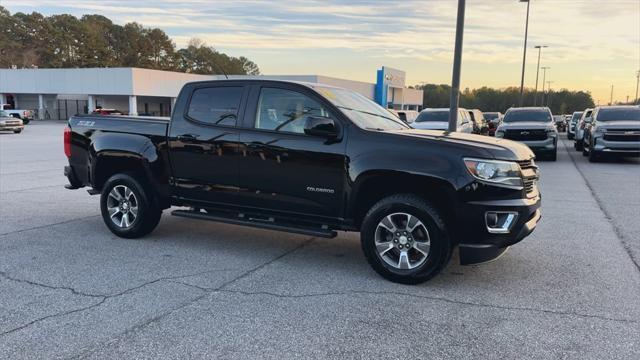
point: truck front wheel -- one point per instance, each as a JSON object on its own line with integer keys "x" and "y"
{"x": 404, "y": 239}
{"x": 127, "y": 209}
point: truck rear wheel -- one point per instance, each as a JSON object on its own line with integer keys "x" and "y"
{"x": 127, "y": 209}
{"x": 404, "y": 239}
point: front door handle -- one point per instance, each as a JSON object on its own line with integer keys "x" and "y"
{"x": 187, "y": 137}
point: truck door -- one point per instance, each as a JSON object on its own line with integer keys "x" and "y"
{"x": 282, "y": 168}
{"x": 203, "y": 143}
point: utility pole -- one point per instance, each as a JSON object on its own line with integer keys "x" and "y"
{"x": 535, "y": 93}
{"x": 611, "y": 98}
{"x": 544, "y": 76}
{"x": 549, "y": 91}
{"x": 637, "y": 83}
{"x": 457, "y": 61}
{"x": 524, "y": 55}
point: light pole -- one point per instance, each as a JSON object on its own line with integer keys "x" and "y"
{"x": 637, "y": 83}
{"x": 611, "y": 98}
{"x": 457, "y": 60}
{"x": 549, "y": 91}
{"x": 535, "y": 93}
{"x": 524, "y": 55}
{"x": 544, "y": 76}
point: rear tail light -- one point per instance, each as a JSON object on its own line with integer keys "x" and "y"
{"x": 67, "y": 141}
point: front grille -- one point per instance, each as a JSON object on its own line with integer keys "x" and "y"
{"x": 622, "y": 135}
{"x": 529, "y": 175}
{"x": 12, "y": 122}
{"x": 526, "y": 135}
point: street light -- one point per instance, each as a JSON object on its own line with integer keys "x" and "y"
{"x": 524, "y": 56}
{"x": 535, "y": 93}
{"x": 544, "y": 76}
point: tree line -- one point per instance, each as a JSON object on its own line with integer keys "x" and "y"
{"x": 64, "y": 41}
{"x": 489, "y": 99}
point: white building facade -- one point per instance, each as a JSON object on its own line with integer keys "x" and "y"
{"x": 61, "y": 93}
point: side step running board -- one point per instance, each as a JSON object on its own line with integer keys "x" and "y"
{"x": 270, "y": 224}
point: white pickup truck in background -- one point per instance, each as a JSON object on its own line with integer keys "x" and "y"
{"x": 24, "y": 115}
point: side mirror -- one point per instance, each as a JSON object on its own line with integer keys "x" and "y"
{"x": 321, "y": 126}
{"x": 588, "y": 120}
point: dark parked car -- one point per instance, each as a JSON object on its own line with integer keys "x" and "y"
{"x": 309, "y": 159}
{"x": 493, "y": 121}
{"x": 614, "y": 130}
{"x": 533, "y": 126}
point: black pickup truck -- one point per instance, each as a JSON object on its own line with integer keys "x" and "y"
{"x": 309, "y": 159}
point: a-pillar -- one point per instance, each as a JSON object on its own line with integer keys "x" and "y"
{"x": 3, "y": 99}
{"x": 133, "y": 105}
{"x": 91, "y": 103}
{"x": 40, "y": 106}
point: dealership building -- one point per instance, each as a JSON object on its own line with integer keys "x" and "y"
{"x": 61, "y": 93}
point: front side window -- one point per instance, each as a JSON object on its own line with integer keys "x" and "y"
{"x": 216, "y": 105}
{"x": 286, "y": 110}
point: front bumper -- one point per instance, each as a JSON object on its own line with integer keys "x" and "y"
{"x": 619, "y": 147}
{"x": 477, "y": 244}
{"x": 549, "y": 144}
{"x": 11, "y": 127}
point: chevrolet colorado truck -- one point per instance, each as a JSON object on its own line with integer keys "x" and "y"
{"x": 309, "y": 159}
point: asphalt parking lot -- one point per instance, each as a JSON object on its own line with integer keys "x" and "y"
{"x": 71, "y": 289}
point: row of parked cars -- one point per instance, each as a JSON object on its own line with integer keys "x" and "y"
{"x": 606, "y": 130}
{"x": 533, "y": 126}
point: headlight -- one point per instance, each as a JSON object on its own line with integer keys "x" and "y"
{"x": 499, "y": 173}
{"x": 552, "y": 131}
{"x": 499, "y": 133}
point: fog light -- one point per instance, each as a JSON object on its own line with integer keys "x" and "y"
{"x": 500, "y": 222}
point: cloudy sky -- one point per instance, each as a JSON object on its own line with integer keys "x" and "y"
{"x": 592, "y": 44}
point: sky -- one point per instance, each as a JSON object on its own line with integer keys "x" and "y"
{"x": 592, "y": 44}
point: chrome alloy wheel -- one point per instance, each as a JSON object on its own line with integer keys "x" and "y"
{"x": 122, "y": 205}
{"x": 402, "y": 241}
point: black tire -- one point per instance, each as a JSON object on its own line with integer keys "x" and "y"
{"x": 17, "y": 131}
{"x": 440, "y": 244}
{"x": 553, "y": 156}
{"x": 578, "y": 145}
{"x": 148, "y": 213}
{"x": 594, "y": 156}
{"x": 569, "y": 136}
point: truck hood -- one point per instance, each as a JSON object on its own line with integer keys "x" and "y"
{"x": 525, "y": 125}
{"x": 619, "y": 125}
{"x": 430, "y": 125}
{"x": 498, "y": 148}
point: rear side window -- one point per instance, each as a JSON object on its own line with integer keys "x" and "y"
{"x": 216, "y": 105}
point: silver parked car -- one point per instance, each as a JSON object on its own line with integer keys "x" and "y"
{"x": 438, "y": 119}
{"x": 571, "y": 126}
{"x": 614, "y": 130}
{"x": 585, "y": 119}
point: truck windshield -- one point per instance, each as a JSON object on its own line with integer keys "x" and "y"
{"x": 433, "y": 116}
{"x": 631, "y": 113}
{"x": 363, "y": 112}
{"x": 576, "y": 116}
{"x": 527, "y": 115}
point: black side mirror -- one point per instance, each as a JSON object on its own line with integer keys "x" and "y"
{"x": 320, "y": 126}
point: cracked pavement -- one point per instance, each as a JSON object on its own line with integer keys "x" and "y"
{"x": 192, "y": 289}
